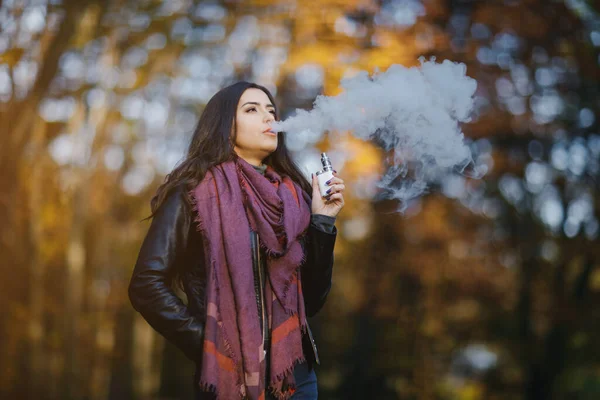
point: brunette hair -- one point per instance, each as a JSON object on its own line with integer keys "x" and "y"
{"x": 212, "y": 143}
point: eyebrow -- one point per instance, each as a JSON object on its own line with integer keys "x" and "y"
{"x": 257, "y": 104}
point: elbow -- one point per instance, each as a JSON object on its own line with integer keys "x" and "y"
{"x": 144, "y": 284}
{"x": 136, "y": 293}
{"x": 133, "y": 294}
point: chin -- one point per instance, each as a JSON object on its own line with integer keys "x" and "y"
{"x": 268, "y": 152}
{"x": 271, "y": 147}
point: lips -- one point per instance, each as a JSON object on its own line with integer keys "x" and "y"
{"x": 269, "y": 132}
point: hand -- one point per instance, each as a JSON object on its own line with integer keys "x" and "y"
{"x": 333, "y": 203}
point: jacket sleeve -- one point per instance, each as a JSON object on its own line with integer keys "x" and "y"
{"x": 318, "y": 267}
{"x": 150, "y": 289}
{"x": 322, "y": 222}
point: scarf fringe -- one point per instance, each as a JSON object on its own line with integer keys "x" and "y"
{"x": 206, "y": 387}
{"x": 286, "y": 289}
{"x": 276, "y": 254}
{"x": 197, "y": 218}
{"x": 271, "y": 253}
{"x": 290, "y": 369}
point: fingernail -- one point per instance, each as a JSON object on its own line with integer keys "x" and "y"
{"x": 335, "y": 171}
{"x": 328, "y": 191}
{"x": 328, "y": 182}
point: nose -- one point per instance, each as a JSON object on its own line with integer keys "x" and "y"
{"x": 269, "y": 117}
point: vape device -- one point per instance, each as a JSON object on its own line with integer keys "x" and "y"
{"x": 324, "y": 175}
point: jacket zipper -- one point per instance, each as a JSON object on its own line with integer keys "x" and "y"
{"x": 313, "y": 344}
{"x": 262, "y": 299}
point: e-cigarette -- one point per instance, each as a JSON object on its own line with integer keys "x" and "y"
{"x": 324, "y": 175}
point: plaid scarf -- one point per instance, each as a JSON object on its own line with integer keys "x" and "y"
{"x": 231, "y": 199}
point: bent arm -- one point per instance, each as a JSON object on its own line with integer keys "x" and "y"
{"x": 318, "y": 268}
{"x": 150, "y": 290}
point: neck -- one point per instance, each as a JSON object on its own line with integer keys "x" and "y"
{"x": 257, "y": 164}
{"x": 254, "y": 163}
{"x": 250, "y": 159}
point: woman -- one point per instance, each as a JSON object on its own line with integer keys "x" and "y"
{"x": 251, "y": 243}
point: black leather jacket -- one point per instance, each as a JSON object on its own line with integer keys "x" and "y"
{"x": 173, "y": 244}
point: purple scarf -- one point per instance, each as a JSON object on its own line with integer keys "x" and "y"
{"x": 232, "y": 199}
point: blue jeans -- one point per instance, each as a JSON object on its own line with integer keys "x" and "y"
{"x": 306, "y": 383}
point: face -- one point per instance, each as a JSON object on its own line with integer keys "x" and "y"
{"x": 254, "y": 141}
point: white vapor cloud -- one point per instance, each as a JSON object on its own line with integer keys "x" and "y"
{"x": 413, "y": 113}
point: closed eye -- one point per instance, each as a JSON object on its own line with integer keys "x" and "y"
{"x": 254, "y": 109}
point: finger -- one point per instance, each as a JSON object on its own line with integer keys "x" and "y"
{"x": 315, "y": 184}
{"x": 334, "y": 196}
{"x": 334, "y": 181}
{"x": 336, "y": 188}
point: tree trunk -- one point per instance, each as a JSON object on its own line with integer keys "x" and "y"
{"x": 38, "y": 367}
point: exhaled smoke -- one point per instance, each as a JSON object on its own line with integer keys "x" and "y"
{"x": 412, "y": 113}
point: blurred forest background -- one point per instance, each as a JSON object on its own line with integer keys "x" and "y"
{"x": 483, "y": 289}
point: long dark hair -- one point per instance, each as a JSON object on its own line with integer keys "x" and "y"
{"x": 212, "y": 143}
